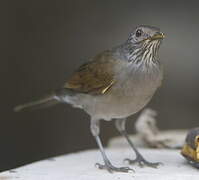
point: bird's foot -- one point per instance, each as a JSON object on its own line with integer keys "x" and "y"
{"x": 110, "y": 168}
{"x": 142, "y": 162}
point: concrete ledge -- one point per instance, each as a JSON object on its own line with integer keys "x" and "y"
{"x": 80, "y": 166}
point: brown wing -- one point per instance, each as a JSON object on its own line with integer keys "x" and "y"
{"x": 94, "y": 77}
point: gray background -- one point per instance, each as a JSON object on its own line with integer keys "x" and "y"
{"x": 42, "y": 42}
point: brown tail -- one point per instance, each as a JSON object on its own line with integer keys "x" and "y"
{"x": 41, "y": 103}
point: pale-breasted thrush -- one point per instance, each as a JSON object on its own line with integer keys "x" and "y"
{"x": 114, "y": 84}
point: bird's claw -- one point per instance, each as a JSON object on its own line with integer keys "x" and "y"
{"x": 142, "y": 162}
{"x": 109, "y": 167}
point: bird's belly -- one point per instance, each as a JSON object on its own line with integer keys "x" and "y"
{"x": 119, "y": 103}
{"x": 120, "y": 107}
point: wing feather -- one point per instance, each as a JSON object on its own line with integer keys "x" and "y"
{"x": 94, "y": 77}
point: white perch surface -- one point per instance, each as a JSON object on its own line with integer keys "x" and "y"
{"x": 80, "y": 166}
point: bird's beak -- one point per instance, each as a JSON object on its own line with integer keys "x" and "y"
{"x": 157, "y": 36}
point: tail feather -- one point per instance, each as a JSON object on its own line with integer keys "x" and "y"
{"x": 41, "y": 103}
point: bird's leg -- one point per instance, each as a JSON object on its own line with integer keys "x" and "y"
{"x": 120, "y": 125}
{"x": 95, "y": 130}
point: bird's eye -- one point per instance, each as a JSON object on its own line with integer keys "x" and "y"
{"x": 138, "y": 33}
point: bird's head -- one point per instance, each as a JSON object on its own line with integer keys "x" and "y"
{"x": 144, "y": 42}
{"x": 144, "y": 33}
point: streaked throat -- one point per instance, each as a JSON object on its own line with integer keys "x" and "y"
{"x": 145, "y": 53}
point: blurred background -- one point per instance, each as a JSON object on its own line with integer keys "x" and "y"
{"x": 42, "y": 42}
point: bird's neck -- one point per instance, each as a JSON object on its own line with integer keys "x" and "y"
{"x": 140, "y": 54}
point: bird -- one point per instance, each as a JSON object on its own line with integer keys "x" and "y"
{"x": 113, "y": 85}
